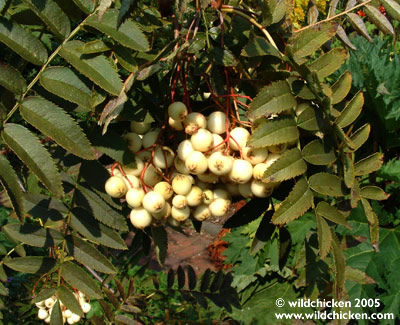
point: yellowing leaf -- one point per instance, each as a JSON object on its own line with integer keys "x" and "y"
{"x": 341, "y": 87}
{"x": 318, "y": 153}
{"x": 324, "y": 237}
{"x": 368, "y": 165}
{"x": 351, "y": 111}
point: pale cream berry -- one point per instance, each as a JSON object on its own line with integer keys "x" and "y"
{"x": 178, "y": 111}
{"x": 131, "y": 181}
{"x": 240, "y": 137}
{"x": 202, "y": 212}
{"x": 255, "y": 155}
{"x": 233, "y": 189}
{"x": 181, "y": 184}
{"x": 202, "y": 140}
{"x": 220, "y": 164}
{"x": 196, "y": 163}
{"x": 220, "y": 193}
{"x": 49, "y": 302}
{"x": 185, "y": 148}
{"x": 242, "y": 171}
{"x": 194, "y": 197}
{"x": 68, "y": 313}
{"x": 134, "y": 141}
{"x": 179, "y": 201}
{"x": 150, "y": 138}
{"x": 218, "y": 143}
{"x": 208, "y": 177}
{"x": 180, "y": 166}
{"x": 43, "y": 314}
{"x": 153, "y": 202}
{"x": 193, "y": 122}
{"x": 145, "y": 156}
{"x": 219, "y": 207}
{"x": 134, "y": 197}
{"x": 86, "y": 307}
{"x": 152, "y": 176}
{"x": 164, "y": 213}
{"x": 140, "y": 127}
{"x": 261, "y": 189}
{"x": 163, "y": 157}
{"x": 165, "y": 189}
{"x": 134, "y": 168}
{"x": 140, "y": 218}
{"x": 115, "y": 187}
{"x": 174, "y": 124}
{"x": 173, "y": 222}
{"x": 208, "y": 196}
{"x": 180, "y": 214}
{"x": 216, "y": 122}
{"x": 245, "y": 190}
{"x": 259, "y": 170}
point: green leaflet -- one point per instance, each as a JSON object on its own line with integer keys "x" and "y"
{"x": 318, "y": 153}
{"x": 272, "y": 99}
{"x": 324, "y": 236}
{"x": 341, "y": 87}
{"x": 88, "y": 255}
{"x": 340, "y": 266}
{"x": 94, "y": 47}
{"x": 52, "y": 15}
{"x": 11, "y": 79}
{"x": 32, "y": 264}
{"x": 87, "y": 226}
{"x": 64, "y": 83}
{"x": 351, "y": 111}
{"x": 355, "y": 194}
{"x": 289, "y": 165}
{"x": 96, "y": 68}
{"x": 274, "y": 132}
{"x": 126, "y": 58}
{"x": 160, "y": 238}
{"x": 310, "y": 119}
{"x": 327, "y": 184}
{"x": 348, "y": 170}
{"x": 56, "y": 317}
{"x": 22, "y": 42}
{"x": 373, "y": 223}
{"x": 87, "y": 6}
{"x": 259, "y": 46}
{"x": 49, "y": 210}
{"x": 224, "y": 57}
{"x": 368, "y": 165}
{"x": 9, "y": 180}
{"x": 359, "y": 137}
{"x": 33, "y": 235}
{"x": 28, "y": 148}
{"x": 299, "y": 200}
{"x": 80, "y": 280}
{"x": 358, "y": 24}
{"x": 44, "y": 294}
{"x": 379, "y": 19}
{"x": 308, "y": 41}
{"x": 54, "y": 122}
{"x": 69, "y": 300}
{"x": 373, "y": 193}
{"x": 127, "y": 34}
{"x": 358, "y": 276}
{"x": 341, "y": 33}
{"x": 329, "y": 62}
{"x": 329, "y": 212}
{"x": 392, "y": 7}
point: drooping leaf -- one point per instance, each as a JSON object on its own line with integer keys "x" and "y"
{"x": 160, "y": 238}
{"x": 33, "y": 235}
{"x": 392, "y": 7}
{"x": 351, "y": 111}
{"x": 69, "y": 300}
{"x": 258, "y": 46}
{"x": 10, "y": 182}
{"x": 52, "y": 15}
{"x": 56, "y": 317}
{"x": 318, "y": 153}
{"x": 86, "y": 225}
{"x": 310, "y": 119}
{"x": 329, "y": 212}
{"x": 96, "y": 68}
{"x": 348, "y": 170}
{"x": 341, "y": 33}
{"x": 28, "y": 148}
{"x": 308, "y": 41}
{"x": 274, "y": 132}
{"x": 272, "y": 99}
{"x": 44, "y": 294}
{"x": 32, "y": 264}
{"x": 88, "y": 255}
{"x": 57, "y": 124}
{"x": 329, "y": 62}
{"x": 22, "y": 42}
{"x": 11, "y": 79}
{"x": 379, "y": 19}
{"x": 373, "y": 193}
{"x": 358, "y": 24}
{"x": 340, "y": 266}
{"x": 87, "y": 6}
{"x": 64, "y": 83}
{"x": 299, "y": 200}
{"x": 112, "y": 110}
{"x": 373, "y": 222}
{"x": 324, "y": 237}
{"x": 289, "y": 165}
{"x": 368, "y": 165}
{"x": 127, "y": 34}
{"x": 327, "y": 184}
{"x": 359, "y": 137}
{"x": 341, "y": 87}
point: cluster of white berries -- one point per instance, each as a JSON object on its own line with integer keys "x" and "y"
{"x": 204, "y": 173}
{"x": 46, "y": 307}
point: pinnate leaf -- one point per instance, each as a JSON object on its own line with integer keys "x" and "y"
{"x": 272, "y": 99}
{"x": 351, "y": 111}
{"x": 299, "y": 200}
{"x": 9, "y": 180}
{"x": 28, "y": 148}
{"x": 258, "y": 46}
{"x": 373, "y": 223}
{"x": 368, "y": 165}
{"x": 11, "y": 79}
{"x": 22, "y": 42}
{"x": 32, "y": 264}
{"x": 318, "y": 153}
{"x": 54, "y": 122}
{"x": 96, "y": 68}
{"x": 33, "y": 235}
{"x": 340, "y": 265}
{"x": 341, "y": 87}
{"x": 274, "y": 132}
{"x": 329, "y": 212}
{"x": 341, "y": 33}
{"x": 392, "y": 7}
{"x": 56, "y": 317}
{"x": 88, "y": 255}
{"x": 127, "y": 34}
{"x": 329, "y": 62}
{"x": 310, "y": 119}
{"x": 289, "y": 165}
{"x": 80, "y": 280}
{"x": 327, "y": 184}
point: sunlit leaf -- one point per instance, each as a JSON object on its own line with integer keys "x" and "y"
{"x": 368, "y": 165}
{"x": 379, "y": 19}
{"x": 351, "y": 111}
{"x": 359, "y": 137}
{"x": 341, "y": 87}
{"x": 329, "y": 212}
{"x": 358, "y": 24}
{"x": 329, "y": 62}
{"x": 373, "y": 193}
{"x": 327, "y": 184}
{"x": 318, "y": 153}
